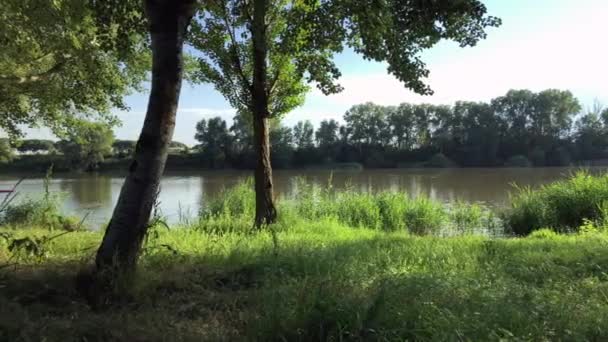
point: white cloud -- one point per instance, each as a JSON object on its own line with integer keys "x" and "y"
{"x": 570, "y": 53}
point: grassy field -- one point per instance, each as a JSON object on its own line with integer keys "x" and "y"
{"x": 317, "y": 281}
{"x": 339, "y": 266}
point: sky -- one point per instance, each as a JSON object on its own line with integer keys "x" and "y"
{"x": 541, "y": 44}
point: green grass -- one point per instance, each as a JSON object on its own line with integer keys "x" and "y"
{"x": 338, "y": 266}
{"x": 233, "y": 209}
{"x": 563, "y": 206}
{"x": 319, "y": 281}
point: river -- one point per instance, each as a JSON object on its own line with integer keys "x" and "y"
{"x": 183, "y": 193}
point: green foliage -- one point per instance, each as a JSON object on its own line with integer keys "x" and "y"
{"x": 518, "y": 161}
{"x": 561, "y": 206}
{"x": 36, "y": 146}
{"x": 123, "y": 148}
{"x": 44, "y": 212}
{"x": 387, "y": 211}
{"x": 439, "y": 160}
{"x": 324, "y": 281}
{"x": 6, "y": 151}
{"x": 68, "y": 60}
{"x": 87, "y": 145}
{"x": 467, "y": 217}
{"x": 424, "y": 216}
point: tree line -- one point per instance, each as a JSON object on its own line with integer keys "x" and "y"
{"x": 521, "y": 128}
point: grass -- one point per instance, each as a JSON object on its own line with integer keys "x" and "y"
{"x": 563, "y": 206}
{"x": 232, "y": 210}
{"x": 338, "y": 266}
{"x": 319, "y": 281}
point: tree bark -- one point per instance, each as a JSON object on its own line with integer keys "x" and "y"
{"x": 124, "y": 235}
{"x": 265, "y": 212}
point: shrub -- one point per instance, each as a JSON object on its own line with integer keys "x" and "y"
{"x": 358, "y": 210}
{"x": 561, "y": 206}
{"x": 237, "y": 201}
{"x": 544, "y": 233}
{"x": 44, "y": 213}
{"x": 392, "y": 208}
{"x": 439, "y": 160}
{"x": 518, "y": 161}
{"x": 466, "y": 217}
{"x": 424, "y": 216}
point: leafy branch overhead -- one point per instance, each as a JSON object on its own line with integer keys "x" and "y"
{"x": 68, "y": 59}
{"x": 302, "y": 36}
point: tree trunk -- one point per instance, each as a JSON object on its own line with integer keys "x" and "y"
{"x": 125, "y": 233}
{"x": 265, "y": 211}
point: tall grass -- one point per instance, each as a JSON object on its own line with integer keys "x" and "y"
{"x": 562, "y": 206}
{"x": 44, "y": 212}
{"x": 387, "y": 211}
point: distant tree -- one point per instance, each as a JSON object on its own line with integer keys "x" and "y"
{"x": 6, "y": 151}
{"x": 86, "y": 146}
{"x": 591, "y": 134}
{"x": 124, "y": 148}
{"x": 368, "y": 124}
{"x": 214, "y": 139}
{"x": 515, "y": 109}
{"x": 36, "y": 145}
{"x": 303, "y": 134}
{"x": 402, "y": 123}
{"x": 177, "y": 145}
{"x": 260, "y": 54}
{"x": 327, "y": 133}
{"x": 281, "y": 140}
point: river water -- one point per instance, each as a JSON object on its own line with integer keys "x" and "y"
{"x": 183, "y": 193}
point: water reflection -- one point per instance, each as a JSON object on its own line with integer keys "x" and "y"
{"x": 183, "y": 193}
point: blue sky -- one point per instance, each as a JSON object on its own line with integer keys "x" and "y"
{"x": 541, "y": 44}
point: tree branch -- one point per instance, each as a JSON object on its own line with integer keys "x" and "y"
{"x": 233, "y": 49}
{"x": 33, "y": 77}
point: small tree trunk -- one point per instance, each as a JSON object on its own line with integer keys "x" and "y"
{"x": 124, "y": 235}
{"x": 265, "y": 211}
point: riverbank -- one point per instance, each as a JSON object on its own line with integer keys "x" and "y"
{"x": 39, "y": 164}
{"x": 316, "y": 281}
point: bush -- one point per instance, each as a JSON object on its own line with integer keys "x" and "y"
{"x": 237, "y": 201}
{"x": 424, "y": 216}
{"x": 392, "y": 207}
{"x": 466, "y": 217}
{"x": 43, "y": 213}
{"x": 358, "y": 210}
{"x": 562, "y": 206}
{"x": 439, "y": 160}
{"x": 518, "y": 161}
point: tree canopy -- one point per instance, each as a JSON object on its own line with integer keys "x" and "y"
{"x": 65, "y": 60}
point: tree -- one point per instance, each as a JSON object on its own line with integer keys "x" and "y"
{"x": 403, "y": 126}
{"x": 6, "y": 151}
{"x": 303, "y": 134}
{"x": 36, "y": 146}
{"x": 168, "y": 21}
{"x": 215, "y": 140}
{"x": 591, "y": 138}
{"x": 327, "y": 134}
{"x": 259, "y": 54}
{"x": 369, "y": 124}
{"x": 64, "y": 61}
{"x": 87, "y": 145}
{"x": 281, "y": 140}
{"x": 124, "y": 148}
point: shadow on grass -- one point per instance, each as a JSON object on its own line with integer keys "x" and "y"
{"x": 387, "y": 287}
